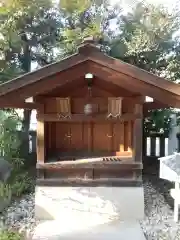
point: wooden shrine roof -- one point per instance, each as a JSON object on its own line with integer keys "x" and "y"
{"x": 90, "y": 59}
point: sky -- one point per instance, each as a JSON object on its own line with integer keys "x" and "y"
{"x": 168, "y": 3}
{"x": 128, "y": 3}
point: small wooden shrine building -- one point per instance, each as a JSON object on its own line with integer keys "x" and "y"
{"x": 89, "y": 116}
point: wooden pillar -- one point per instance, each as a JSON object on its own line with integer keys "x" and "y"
{"x": 138, "y": 133}
{"x": 122, "y": 137}
{"x": 129, "y": 136}
{"x": 90, "y": 125}
{"x": 40, "y": 142}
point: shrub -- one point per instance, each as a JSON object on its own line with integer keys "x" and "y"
{"x": 10, "y": 235}
{"x": 5, "y": 191}
{"x": 22, "y": 184}
{"x": 9, "y": 137}
{"x": 19, "y": 182}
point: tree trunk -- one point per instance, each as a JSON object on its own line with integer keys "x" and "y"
{"x": 24, "y": 151}
{"x": 26, "y": 66}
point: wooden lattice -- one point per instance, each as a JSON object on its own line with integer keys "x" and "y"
{"x": 63, "y": 107}
{"x": 114, "y": 107}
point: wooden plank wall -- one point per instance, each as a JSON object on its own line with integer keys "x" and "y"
{"x": 116, "y": 137}
{"x": 111, "y": 137}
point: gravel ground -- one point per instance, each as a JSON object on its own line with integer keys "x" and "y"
{"x": 157, "y": 225}
{"x": 20, "y": 215}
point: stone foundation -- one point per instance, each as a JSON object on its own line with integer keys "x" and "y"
{"x": 101, "y": 204}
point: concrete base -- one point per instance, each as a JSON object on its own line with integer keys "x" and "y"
{"x": 61, "y": 230}
{"x": 98, "y": 204}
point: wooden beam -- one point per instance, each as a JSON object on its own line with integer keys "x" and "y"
{"x": 39, "y": 87}
{"x": 41, "y": 156}
{"x": 138, "y": 134}
{"x": 89, "y": 135}
{"x": 136, "y": 86}
{"x": 80, "y": 117}
{"x": 135, "y": 73}
{"x": 152, "y": 106}
{"x": 129, "y": 136}
{"x": 79, "y": 164}
{"x": 121, "y": 138}
{"x": 89, "y": 183}
{"x": 90, "y": 59}
{"x": 41, "y": 74}
{"x": 21, "y": 105}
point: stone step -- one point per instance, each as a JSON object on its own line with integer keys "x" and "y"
{"x": 68, "y": 229}
{"x": 52, "y": 202}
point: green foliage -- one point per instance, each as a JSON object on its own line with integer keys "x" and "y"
{"x": 5, "y": 191}
{"x": 22, "y": 183}
{"x": 81, "y": 19}
{"x": 145, "y": 38}
{"x": 8, "y": 72}
{"x": 158, "y": 122}
{"x": 75, "y": 5}
{"x": 9, "y": 137}
{"x": 10, "y": 235}
{"x": 19, "y": 181}
{"x": 28, "y": 31}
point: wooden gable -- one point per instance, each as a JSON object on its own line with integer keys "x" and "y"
{"x": 89, "y": 59}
